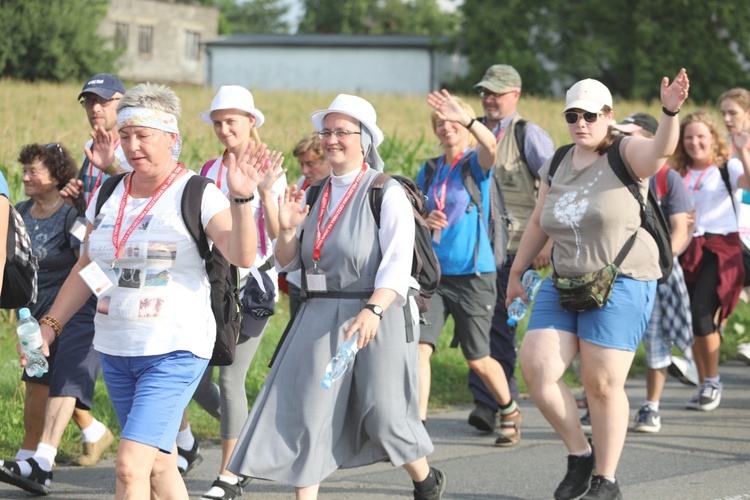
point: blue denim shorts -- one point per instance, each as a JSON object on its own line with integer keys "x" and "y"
{"x": 149, "y": 393}
{"x": 619, "y": 324}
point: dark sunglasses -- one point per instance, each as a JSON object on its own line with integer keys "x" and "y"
{"x": 54, "y": 145}
{"x": 572, "y": 117}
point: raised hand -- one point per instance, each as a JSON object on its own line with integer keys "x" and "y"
{"x": 102, "y": 151}
{"x": 674, "y": 94}
{"x": 741, "y": 140}
{"x": 275, "y": 172}
{"x": 291, "y": 211}
{"x": 243, "y": 176}
{"x": 447, "y": 108}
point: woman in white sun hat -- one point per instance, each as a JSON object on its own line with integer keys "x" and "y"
{"x": 355, "y": 279}
{"x": 235, "y": 121}
{"x": 593, "y": 218}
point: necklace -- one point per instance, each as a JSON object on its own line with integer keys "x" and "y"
{"x": 45, "y": 214}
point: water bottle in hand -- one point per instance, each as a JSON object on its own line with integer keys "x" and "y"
{"x": 340, "y": 362}
{"x": 30, "y": 337}
{"x": 531, "y": 282}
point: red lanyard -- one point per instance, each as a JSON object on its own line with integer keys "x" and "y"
{"x": 500, "y": 134}
{"x": 440, "y": 199}
{"x": 697, "y": 183}
{"x": 98, "y": 176}
{"x": 304, "y": 185}
{"x": 221, "y": 169}
{"x": 321, "y": 237}
{"x": 124, "y": 201}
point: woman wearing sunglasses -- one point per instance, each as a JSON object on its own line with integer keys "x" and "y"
{"x": 590, "y": 214}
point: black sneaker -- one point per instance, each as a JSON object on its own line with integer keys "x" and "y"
{"x": 228, "y": 491}
{"x": 38, "y": 482}
{"x": 193, "y": 457}
{"x": 601, "y": 489}
{"x": 437, "y": 492}
{"x": 576, "y": 480}
{"x": 483, "y": 418}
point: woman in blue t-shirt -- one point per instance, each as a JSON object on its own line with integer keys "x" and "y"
{"x": 467, "y": 289}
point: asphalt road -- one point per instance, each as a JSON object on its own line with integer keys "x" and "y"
{"x": 695, "y": 456}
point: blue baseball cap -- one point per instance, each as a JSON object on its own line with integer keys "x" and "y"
{"x": 104, "y": 85}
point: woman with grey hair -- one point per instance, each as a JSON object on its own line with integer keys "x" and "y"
{"x": 355, "y": 276}
{"x": 154, "y": 328}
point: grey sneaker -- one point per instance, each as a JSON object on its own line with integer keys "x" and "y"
{"x": 693, "y": 403}
{"x": 710, "y": 397}
{"x": 437, "y": 492}
{"x": 586, "y": 422}
{"x": 647, "y": 420}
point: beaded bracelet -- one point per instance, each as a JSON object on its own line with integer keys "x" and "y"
{"x": 52, "y": 323}
{"x": 242, "y": 200}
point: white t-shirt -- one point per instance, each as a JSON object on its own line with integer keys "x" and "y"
{"x": 161, "y": 301}
{"x": 277, "y": 190}
{"x": 715, "y": 213}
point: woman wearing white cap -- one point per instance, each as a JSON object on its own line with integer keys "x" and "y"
{"x": 355, "y": 279}
{"x": 235, "y": 121}
{"x": 591, "y": 216}
{"x": 153, "y": 327}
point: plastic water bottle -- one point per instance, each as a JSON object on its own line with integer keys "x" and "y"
{"x": 531, "y": 282}
{"x": 30, "y": 337}
{"x": 340, "y": 362}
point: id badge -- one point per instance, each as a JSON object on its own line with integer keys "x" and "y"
{"x": 316, "y": 280}
{"x": 99, "y": 278}
{"x": 436, "y": 236}
{"x": 78, "y": 230}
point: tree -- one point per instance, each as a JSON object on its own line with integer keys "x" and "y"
{"x": 255, "y": 16}
{"x": 51, "y": 40}
{"x": 374, "y": 17}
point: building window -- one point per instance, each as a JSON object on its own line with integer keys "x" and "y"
{"x": 145, "y": 39}
{"x": 192, "y": 45}
{"x": 121, "y": 36}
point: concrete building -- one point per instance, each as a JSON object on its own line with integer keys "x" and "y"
{"x": 162, "y": 40}
{"x": 332, "y": 63}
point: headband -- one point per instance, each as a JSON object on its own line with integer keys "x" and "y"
{"x": 151, "y": 118}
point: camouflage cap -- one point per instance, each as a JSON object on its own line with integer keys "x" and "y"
{"x": 500, "y": 77}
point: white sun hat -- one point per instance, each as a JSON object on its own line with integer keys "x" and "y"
{"x": 234, "y": 97}
{"x": 353, "y": 106}
{"x": 589, "y": 95}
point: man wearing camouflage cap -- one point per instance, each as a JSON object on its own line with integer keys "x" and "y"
{"x": 522, "y": 148}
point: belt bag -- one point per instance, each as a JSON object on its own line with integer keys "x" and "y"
{"x": 592, "y": 290}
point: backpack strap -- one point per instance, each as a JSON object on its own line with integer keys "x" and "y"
{"x": 430, "y": 168}
{"x": 661, "y": 182}
{"x": 206, "y": 167}
{"x": 70, "y": 219}
{"x": 106, "y": 190}
{"x": 24, "y": 206}
{"x": 376, "y": 195}
{"x": 557, "y": 158}
{"x": 191, "y": 211}
{"x": 313, "y": 192}
{"x": 519, "y": 132}
{"x": 724, "y": 171}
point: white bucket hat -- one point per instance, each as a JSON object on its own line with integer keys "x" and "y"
{"x": 234, "y": 97}
{"x": 353, "y": 106}
{"x": 589, "y": 95}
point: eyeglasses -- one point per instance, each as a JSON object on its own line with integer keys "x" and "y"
{"x": 89, "y": 102}
{"x": 340, "y": 134}
{"x": 572, "y": 117}
{"x": 487, "y": 94}
{"x": 54, "y": 145}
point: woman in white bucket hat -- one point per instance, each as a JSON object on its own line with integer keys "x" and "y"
{"x": 355, "y": 279}
{"x": 235, "y": 121}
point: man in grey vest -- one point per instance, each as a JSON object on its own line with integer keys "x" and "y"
{"x": 522, "y": 148}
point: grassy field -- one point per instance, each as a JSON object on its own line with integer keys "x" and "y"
{"x": 49, "y": 113}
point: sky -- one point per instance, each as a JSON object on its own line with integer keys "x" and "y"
{"x": 296, "y": 10}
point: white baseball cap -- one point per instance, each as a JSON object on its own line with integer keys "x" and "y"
{"x": 353, "y": 106}
{"x": 234, "y": 97}
{"x": 589, "y": 95}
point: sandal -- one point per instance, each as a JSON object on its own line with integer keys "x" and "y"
{"x": 221, "y": 490}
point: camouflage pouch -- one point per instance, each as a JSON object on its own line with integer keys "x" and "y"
{"x": 587, "y": 292}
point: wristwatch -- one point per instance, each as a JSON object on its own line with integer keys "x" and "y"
{"x": 376, "y": 309}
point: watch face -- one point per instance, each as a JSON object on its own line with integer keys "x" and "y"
{"x": 376, "y": 309}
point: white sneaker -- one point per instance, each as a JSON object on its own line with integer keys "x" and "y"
{"x": 743, "y": 352}
{"x": 685, "y": 370}
{"x": 710, "y": 397}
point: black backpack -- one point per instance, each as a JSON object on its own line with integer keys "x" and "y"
{"x": 223, "y": 276}
{"x": 424, "y": 266}
{"x": 652, "y": 218}
{"x": 19, "y": 278}
{"x": 498, "y": 225}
